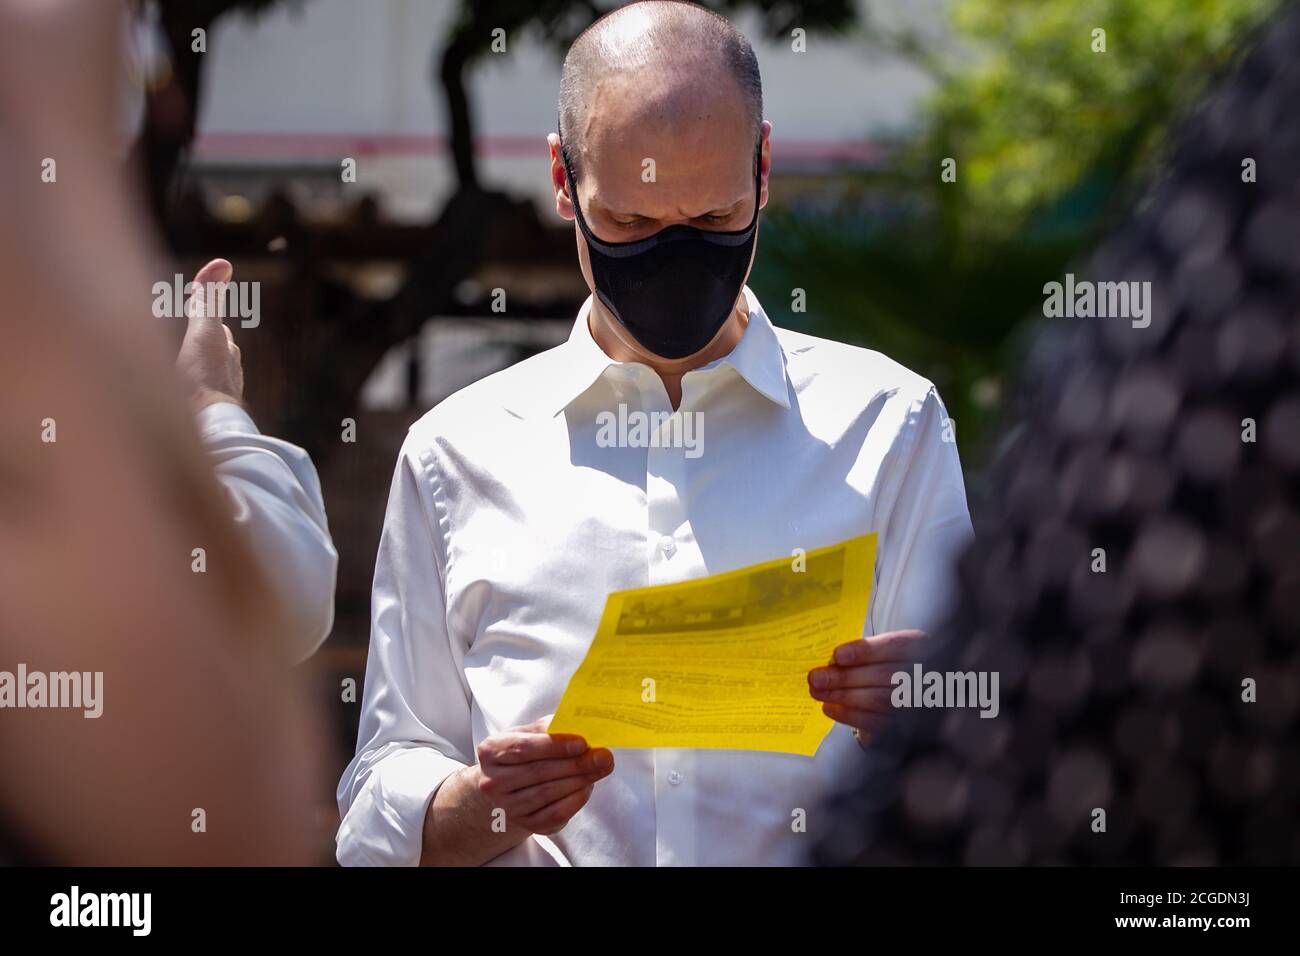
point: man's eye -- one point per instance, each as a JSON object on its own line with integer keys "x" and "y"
{"x": 637, "y": 222}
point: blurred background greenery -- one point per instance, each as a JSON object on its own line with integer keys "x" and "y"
{"x": 1052, "y": 140}
{"x": 1050, "y": 129}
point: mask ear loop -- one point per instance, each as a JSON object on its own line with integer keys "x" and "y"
{"x": 758, "y": 180}
{"x": 568, "y": 172}
{"x": 573, "y": 191}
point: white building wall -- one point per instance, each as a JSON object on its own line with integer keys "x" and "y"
{"x": 311, "y": 82}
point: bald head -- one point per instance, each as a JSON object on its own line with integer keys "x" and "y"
{"x": 666, "y": 58}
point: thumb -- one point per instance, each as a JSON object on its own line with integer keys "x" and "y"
{"x": 215, "y": 273}
{"x": 537, "y": 726}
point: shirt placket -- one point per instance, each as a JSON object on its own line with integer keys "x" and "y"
{"x": 672, "y": 555}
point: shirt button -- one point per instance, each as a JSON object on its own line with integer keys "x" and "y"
{"x": 674, "y": 778}
{"x": 667, "y": 545}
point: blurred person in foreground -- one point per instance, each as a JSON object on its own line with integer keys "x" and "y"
{"x": 274, "y": 492}
{"x": 510, "y": 520}
{"x": 1137, "y": 581}
{"x": 196, "y": 749}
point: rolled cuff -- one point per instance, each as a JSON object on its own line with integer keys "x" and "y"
{"x": 225, "y": 417}
{"x": 384, "y": 826}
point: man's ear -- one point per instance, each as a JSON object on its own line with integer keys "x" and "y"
{"x": 765, "y": 162}
{"x": 559, "y": 181}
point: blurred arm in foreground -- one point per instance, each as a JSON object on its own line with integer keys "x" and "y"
{"x": 104, "y": 495}
{"x": 272, "y": 484}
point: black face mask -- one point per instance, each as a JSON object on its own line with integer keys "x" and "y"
{"x": 672, "y": 291}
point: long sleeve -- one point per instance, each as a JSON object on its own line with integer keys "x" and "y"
{"x": 276, "y": 498}
{"x": 415, "y": 726}
{"x": 928, "y": 526}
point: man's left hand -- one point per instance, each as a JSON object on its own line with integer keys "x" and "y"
{"x": 855, "y": 686}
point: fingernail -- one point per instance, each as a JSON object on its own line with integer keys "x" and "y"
{"x": 843, "y": 655}
{"x": 576, "y": 747}
{"x": 603, "y": 760}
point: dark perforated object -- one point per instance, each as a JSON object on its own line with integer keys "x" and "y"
{"x": 1122, "y": 690}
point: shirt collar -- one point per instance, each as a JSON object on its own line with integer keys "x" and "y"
{"x": 757, "y": 357}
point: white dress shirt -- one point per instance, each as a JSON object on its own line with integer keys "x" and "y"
{"x": 276, "y": 498}
{"x": 508, "y": 524}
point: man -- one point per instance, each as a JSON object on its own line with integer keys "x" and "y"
{"x": 274, "y": 493}
{"x": 510, "y": 521}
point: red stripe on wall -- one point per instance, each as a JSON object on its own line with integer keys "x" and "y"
{"x": 228, "y": 143}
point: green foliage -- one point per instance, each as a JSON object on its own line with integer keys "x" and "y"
{"x": 1050, "y": 138}
{"x": 1040, "y": 110}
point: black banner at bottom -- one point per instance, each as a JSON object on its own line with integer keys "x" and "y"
{"x": 920, "y": 905}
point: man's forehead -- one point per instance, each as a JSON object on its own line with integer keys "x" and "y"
{"x": 652, "y": 134}
{"x": 651, "y": 160}
{"x": 683, "y": 185}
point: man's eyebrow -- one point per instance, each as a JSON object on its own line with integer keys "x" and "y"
{"x": 715, "y": 211}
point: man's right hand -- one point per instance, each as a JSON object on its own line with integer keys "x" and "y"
{"x": 536, "y": 780}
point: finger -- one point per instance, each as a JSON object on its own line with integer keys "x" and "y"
{"x": 517, "y": 747}
{"x": 211, "y": 278}
{"x": 538, "y": 726}
{"x": 890, "y": 646}
{"x": 866, "y": 721}
{"x": 542, "y": 725}
{"x": 205, "y": 302}
{"x": 553, "y": 818}
{"x": 833, "y": 676}
{"x": 511, "y": 778}
{"x": 218, "y": 270}
{"x": 532, "y": 799}
{"x": 874, "y": 699}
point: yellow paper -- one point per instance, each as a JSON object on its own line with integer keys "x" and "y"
{"x": 722, "y": 661}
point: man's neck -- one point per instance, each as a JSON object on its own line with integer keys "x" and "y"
{"x": 618, "y": 344}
